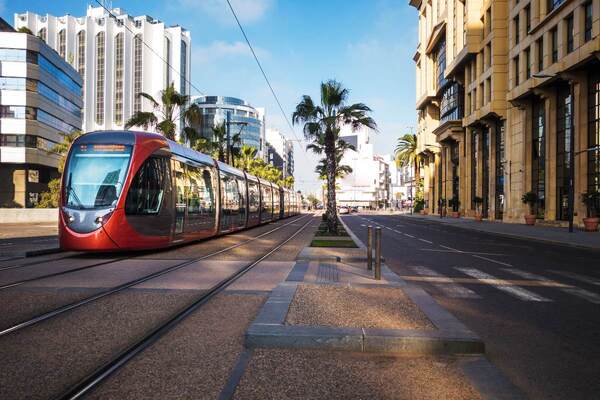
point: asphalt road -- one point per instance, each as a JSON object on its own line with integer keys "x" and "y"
{"x": 535, "y": 305}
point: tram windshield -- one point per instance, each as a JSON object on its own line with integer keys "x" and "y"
{"x": 95, "y": 175}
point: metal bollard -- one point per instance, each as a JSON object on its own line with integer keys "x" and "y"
{"x": 370, "y": 247}
{"x": 378, "y": 253}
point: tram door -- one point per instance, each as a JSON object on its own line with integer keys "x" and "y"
{"x": 180, "y": 199}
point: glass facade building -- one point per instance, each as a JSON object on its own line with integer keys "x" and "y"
{"x": 40, "y": 102}
{"x": 242, "y": 117}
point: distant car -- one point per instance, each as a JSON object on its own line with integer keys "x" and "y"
{"x": 344, "y": 210}
{"x": 354, "y": 209}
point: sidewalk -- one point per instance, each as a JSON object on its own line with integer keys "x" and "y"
{"x": 28, "y": 239}
{"x": 329, "y": 330}
{"x": 546, "y": 234}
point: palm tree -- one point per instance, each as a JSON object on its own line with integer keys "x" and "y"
{"x": 246, "y": 157}
{"x": 173, "y": 106}
{"x": 407, "y": 153}
{"x": 322, "y": 124}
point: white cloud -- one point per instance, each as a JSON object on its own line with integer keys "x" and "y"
{"x": 220, "y": 50}
{"x": 248, "y": 11}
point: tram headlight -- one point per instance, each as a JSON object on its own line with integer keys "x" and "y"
{"x": 103, "y": 219}
{"x": 68, "y": 217}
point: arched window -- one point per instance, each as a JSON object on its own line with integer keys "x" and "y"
{"x": 137, "y": 72}
{"x": 183, "y": 67}
{"x": 81, "y": 54}
{"x": 100, "y": 53}
{"x": 119, "y": 54}
{"x": 62, "y": 43}
{"x": 167, "y": 57}
{"x": 42, "y": 34}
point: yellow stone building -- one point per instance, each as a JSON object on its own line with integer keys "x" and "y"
{"x": 497, "y": 83}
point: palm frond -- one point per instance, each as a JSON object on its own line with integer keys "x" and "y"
{"x": 143, "y": 119}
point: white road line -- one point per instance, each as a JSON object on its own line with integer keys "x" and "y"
{"x": 410, "y": 236}
{"x": 397, "y": 231}
{"x": 515, "y": 291}
{"x": 452, "y": 290}
{"x": 450, "y": 248}
{"x": 575, "y": 291}
{"x": 388, "y": 228}
{"x": 426, "y": 241}
{"x": 582, "y": 278}
{"x": 490, "y": 260}
{"x": 362, "y": 225}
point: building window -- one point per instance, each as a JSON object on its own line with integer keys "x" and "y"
{"x": 563, "y": 146}
{"x": 43, "y": 34}
{"x": 488, "y": 60}
{"x": 488, "y": 20}
{"x": 499, "y": 198}
{"x": 81, "y": 54}
{"x": 588, "y": 15}
{"x": 137, "y": 72}
{"x": 62, "y": 43}
{"x": 552, "y": 4}
{"x": 516, "y": 70}
{"x": 527, "y": 63}
{"x": 554, "y": 39}
{"x": 167, "y": 64}
{"x": 100, "y": 52}
{"x": 451, "y": 104}
{"x": 183, "y": 67}
{"x": 488, "y": 90}
{"x": 538, "y": 157}
{"x": 440, "y": 64}
{"x": 474, "y": 167}
{"x": 527, "y": 18}
{"x": 593, "y": 181}
{"x": 119, "y": 58}
{"x": 540, "y": 50}
{"x": 569, "y": 23}
{"x": 516, "y": 27}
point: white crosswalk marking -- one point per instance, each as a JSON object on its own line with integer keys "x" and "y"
{"x": 516, "y": 291}
{"x": 575, "y": 291}
{"x": 452, "y": 290}
{"x": 577, "y": 277}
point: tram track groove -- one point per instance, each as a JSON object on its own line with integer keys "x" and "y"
{"x": 77, "y": 269}
{"x": 135, "y": 282}
{"x": 93, "y": 380}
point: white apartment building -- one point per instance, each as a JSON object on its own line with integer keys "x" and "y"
{"x": 401, "y": 181}
{"x": 109, "y": 53}
{"x": 369, "y": 183}
{"x": 284, "y": 148}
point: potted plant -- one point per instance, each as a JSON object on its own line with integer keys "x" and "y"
{"x": 592, "y": 203}
{"x": 478, "y": 202}
{"x": 454, "y": 203}
{"x": 530, "y": 198}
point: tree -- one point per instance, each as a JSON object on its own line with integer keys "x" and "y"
{"x": 246, "y": 157}
{"x": 25, "y": 29}
{"x": 322, "y": 124}
{"x": 50, "y": 198}
{"x": 163, "y": 119}
{"x": 312, "y": 200}
{"x": 407, "y": 153}
{"x": 219, "y": 143}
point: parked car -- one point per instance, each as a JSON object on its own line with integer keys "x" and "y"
{"x": 354, "y": 209}
{"x": 344, "y": 210}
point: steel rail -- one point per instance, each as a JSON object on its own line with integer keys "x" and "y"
{"x": 135, "y": 282}
{"x": 101, "y": 374}
{"x": 29, "y": 264}
{"x": 77, "y": 269}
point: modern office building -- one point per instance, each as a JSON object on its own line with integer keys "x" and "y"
{"x": 368, "y": 185}
{"x": 118, "y": 56}
{"x": 503, "y": 89}
{"x": 40, "y": 101}
{"x": 284, "y": 150}
{"x": 243, "y": 119}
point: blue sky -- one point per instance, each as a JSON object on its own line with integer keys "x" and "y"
{"x": 366, "y": 44}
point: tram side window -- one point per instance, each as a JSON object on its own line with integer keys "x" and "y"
{"x": 253, "y": 197}
{"x": 201, "y": 194}
{"x": 147, "y": 189}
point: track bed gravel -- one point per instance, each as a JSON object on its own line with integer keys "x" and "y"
{"x": 343, "y": 306}
{"x": 287, "y": 374}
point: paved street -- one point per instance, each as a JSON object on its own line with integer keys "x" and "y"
{"x": 534, "y": 305}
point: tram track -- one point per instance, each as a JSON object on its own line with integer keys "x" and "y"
{"x": 71, "y": 306}
{"x": 96, "y": 378}
{"x": 144, "y": 255}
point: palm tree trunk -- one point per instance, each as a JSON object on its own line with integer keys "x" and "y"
{"x": 331, "y": 168}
